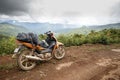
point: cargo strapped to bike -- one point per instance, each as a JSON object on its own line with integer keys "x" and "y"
{"x": 28, "y": 37}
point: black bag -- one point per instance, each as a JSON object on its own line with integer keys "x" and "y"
{"x": 23, "y": 37}
{"x": 28, "y": 37}
{"x": 34, "y": 38}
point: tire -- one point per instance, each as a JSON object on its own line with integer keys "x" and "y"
{"x": 59, "y": 53}
{"x": 23, "y": 62}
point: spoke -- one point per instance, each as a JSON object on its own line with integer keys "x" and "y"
{"x": 24, "y": 60}
{"x": 23, "y": 55}
{"x": 26, "y": 64}
{"x": 61, "y": 52}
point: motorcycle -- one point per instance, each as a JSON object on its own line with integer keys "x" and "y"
{"x": 28, "y": 54}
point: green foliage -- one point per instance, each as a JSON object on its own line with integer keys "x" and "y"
{"x": 42, "y": 37}
{"x": 7, "y": 45}
{"x": 105, "y": 36}
{"x": 3, "y": 36}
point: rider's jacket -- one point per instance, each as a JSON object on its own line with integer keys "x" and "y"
{"x": 50, "y": 39}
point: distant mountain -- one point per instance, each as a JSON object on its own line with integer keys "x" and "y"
{"x": 40, "y": 28}
{"x": 108, "y": 26}
{"x": 87, "y": 29}
{"x": 10, "y": 29}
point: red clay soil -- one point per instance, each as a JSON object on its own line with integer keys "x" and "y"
{"x": 86, "y": 62}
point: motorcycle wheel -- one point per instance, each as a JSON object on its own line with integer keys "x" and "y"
{"x": 59, "y": 53}
{"x": 23, "y": 62}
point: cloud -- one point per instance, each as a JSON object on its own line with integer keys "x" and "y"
{"x": 116, "y": 10}
{"x": 74, "y": 11}
{"x": 14, "y": 7}
{"x": 84, "y": 12}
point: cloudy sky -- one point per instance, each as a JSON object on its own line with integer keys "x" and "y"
{"x": 80, "y": 12}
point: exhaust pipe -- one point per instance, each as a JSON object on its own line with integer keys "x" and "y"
{"x": 33, "y": 57}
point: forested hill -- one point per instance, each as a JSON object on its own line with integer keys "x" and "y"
{"x": 87, "y": 29}
{"x": 10, "y": 29}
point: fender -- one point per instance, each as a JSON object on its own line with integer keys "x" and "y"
{"x": 59, "y": 44}
{"x": 17, "y": 51}
{"x": 56, "y": 46}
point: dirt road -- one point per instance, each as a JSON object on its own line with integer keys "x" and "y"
{"x": 86, "y": 62}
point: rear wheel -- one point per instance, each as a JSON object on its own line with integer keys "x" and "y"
{"x": 23, "y": 62}
{"x": 59, "y": 53}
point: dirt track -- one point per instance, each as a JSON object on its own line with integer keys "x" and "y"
{"x": 86, "y": 62}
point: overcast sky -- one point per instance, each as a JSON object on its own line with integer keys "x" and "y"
{"x": 81, "y": 12}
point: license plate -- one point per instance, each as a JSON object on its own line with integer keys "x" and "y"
{"x": 16, "y": 50}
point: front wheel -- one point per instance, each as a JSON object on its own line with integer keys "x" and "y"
{"x": 59, "y": 52}
{"x": 23, "y": 62}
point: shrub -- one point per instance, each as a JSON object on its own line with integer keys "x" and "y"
{"x": 105, "y": 36}
{"x": 7, "y": 45}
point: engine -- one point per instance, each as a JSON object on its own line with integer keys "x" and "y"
{"x": 45, "y": 55}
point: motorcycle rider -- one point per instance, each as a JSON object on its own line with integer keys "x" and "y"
{"x": 51, "y": 40}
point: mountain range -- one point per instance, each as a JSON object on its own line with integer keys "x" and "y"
{"x": 11, "y": 27}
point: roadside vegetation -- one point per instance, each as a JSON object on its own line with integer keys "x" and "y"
{"x": 106, "y": 36}
{"x": 7, "y": 45}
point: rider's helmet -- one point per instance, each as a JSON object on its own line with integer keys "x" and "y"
{"x": 49, "y": 33}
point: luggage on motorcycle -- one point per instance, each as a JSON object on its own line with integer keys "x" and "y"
{"x": 34, "y": 38}
{"x": 28, "y": 37}
{"x": 23, "y": 37}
